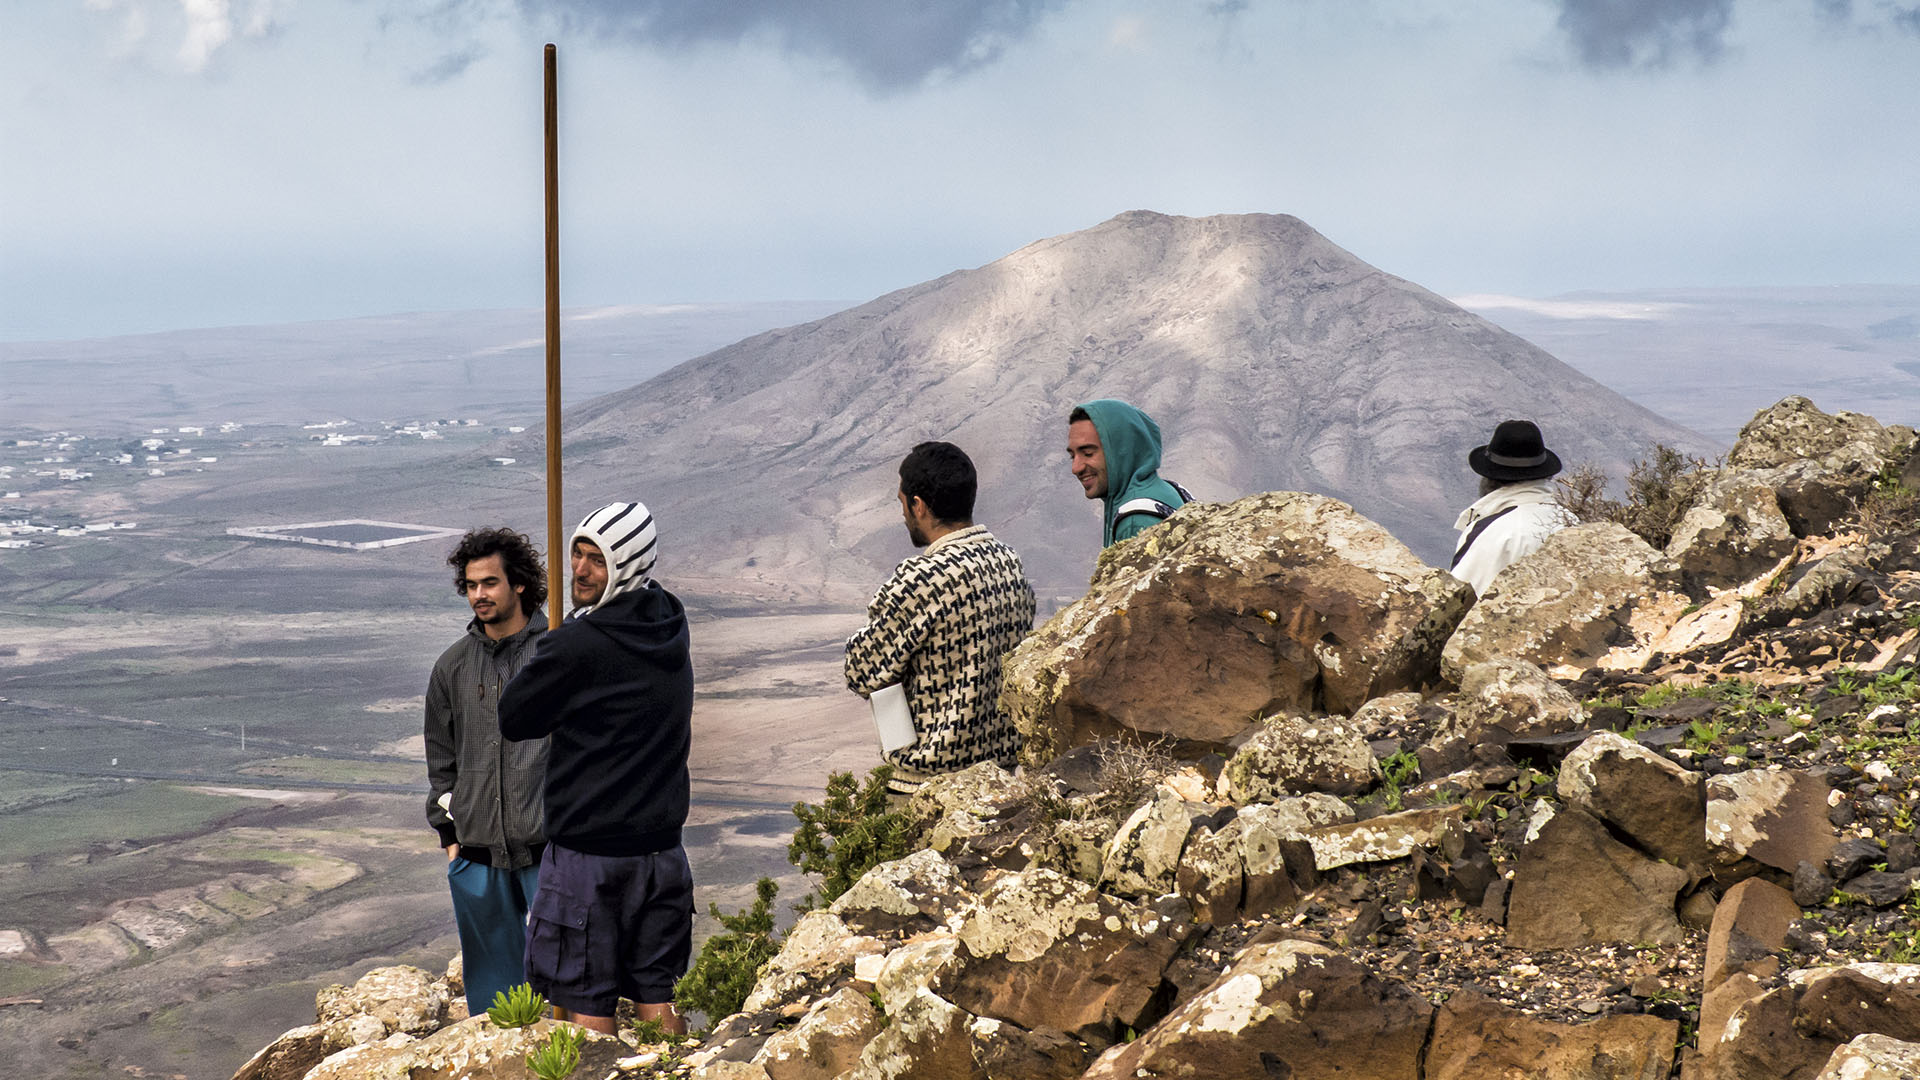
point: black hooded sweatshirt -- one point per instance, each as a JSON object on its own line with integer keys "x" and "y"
{"x": 614, "y": 688}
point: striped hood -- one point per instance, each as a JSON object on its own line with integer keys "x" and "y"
{"x": 624, "y": 534}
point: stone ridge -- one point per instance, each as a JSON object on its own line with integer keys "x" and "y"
{"x": 1698, "y": 862}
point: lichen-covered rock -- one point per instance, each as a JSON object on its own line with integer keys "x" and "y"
{"x": 1818, "y": 465}
{"x": 1873, "y": 1057}
{"x": 1388, "y": 837}
{"x": 1282, "y": 602}
{"x": 818, "y": 951}
{"x": 902, "y": 896}
{"x": 1503, "y": 698}
{"x": 982, "y": 790}
{"x": 473, "y": 1049}
{"x": 1773, "y": 816}
{"x": 1044, "y": 951}
{"x": 1387, "y": 711}
{"x": 1144, "y": 854}
{"x": 1658, "y": 804}
{"x": 384, "y": 1001}
{"x": 1477, "y": 1039}
{"x": 1291, "y": 755}
{"x": 1290, "y": 1009}
{"x": 1734, "y": 532}
{"x": 1575, "y": 885}
{"x": 1587, "y": 591}
{"x": 825, "y": 1043}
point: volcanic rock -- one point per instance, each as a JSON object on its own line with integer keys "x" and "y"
{"x": 1660, "y": 805}
{"x": 1588, "y": 590}
{"x": 1474, "y": 1039}
{"x": 1289, "y": 1009}
{"x": 1575, "y": 885}
{"x": 1293, "y": 755}
{"x": 1278, "y": 603}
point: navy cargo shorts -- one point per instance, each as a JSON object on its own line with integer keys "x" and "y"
{"x": 606, "y": 927}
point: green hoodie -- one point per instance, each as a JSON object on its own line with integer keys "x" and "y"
{"x": 1130, "y": 440}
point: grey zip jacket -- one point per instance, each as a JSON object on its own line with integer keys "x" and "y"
{"x": 496, "y": 785}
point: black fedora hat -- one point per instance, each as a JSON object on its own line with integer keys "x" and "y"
{"x": 1516, "y": 452}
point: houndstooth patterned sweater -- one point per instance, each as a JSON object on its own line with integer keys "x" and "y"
{"x": 942, "y": 625}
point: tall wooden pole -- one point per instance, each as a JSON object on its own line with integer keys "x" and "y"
{"x": 556, "y": 554}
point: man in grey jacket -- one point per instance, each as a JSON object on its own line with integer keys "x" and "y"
{"x": 484, "y": 797}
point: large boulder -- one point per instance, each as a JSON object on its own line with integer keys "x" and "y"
{"x": 1284, "y": 602}
{"x": 1587, "y": 591}
{"x": 1773, "y": 816}
{"x": 1575, "y": 885}
{"x": 1475, "y": 1038}
{"x": 1733, "y": 533}
{"x": 1291, "y": 1009}
{"x": 1657, "y": 804}
{"x": 289, "y": 1057}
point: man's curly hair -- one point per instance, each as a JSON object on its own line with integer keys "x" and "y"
{"x": 522, "y": 560}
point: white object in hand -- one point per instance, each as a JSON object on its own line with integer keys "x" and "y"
{"x": 892, "y": 718}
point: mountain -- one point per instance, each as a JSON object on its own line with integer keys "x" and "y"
{"x": 1271, "y": 358}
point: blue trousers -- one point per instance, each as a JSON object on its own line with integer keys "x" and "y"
{"x": 490, "y": 908}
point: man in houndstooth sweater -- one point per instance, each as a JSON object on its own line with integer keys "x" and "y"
{"x": 943, "y": 623}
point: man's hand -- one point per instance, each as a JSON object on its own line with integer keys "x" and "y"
{"x": 453, "y": 852}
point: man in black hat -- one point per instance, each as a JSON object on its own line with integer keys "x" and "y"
{"x": 1516, "y": 511}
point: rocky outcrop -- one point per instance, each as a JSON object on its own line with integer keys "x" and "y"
{"x": 1589, "y": 859}
{"x": 1278, "y": 603}
{"x": 1819, "y": 466}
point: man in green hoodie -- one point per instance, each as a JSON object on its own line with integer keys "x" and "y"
{"x": 1115, "y": 452}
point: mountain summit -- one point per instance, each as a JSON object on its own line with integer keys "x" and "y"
{"x": 1271, "y": 358}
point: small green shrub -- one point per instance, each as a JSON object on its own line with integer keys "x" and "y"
{"x": 556, "y": 1058}
{"x": 1394, "y": 774}
{"x": 722, "y": 975}
{"x": 517, "y": 1007}
{"x": 847, "y": 834}
{"x": 654, "y": 1033}
{"x": 1659, "y": 490}
{"x": 1703, "y": 734}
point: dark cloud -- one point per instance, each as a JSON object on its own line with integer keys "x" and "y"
{"x": 1907, "y": 19}
{"x": 1645, "y": 33}
{"x": 891, "y": 45}
{"x": 450, "y": 66}
{"x": 1837, "y": 10}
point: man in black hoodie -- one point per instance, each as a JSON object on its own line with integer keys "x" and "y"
{"x": 613, "y": 688}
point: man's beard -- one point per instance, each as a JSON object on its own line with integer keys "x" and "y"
{"x": 914, "y": 534}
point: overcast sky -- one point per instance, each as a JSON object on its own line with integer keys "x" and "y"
{"x": 185, "y": 163}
